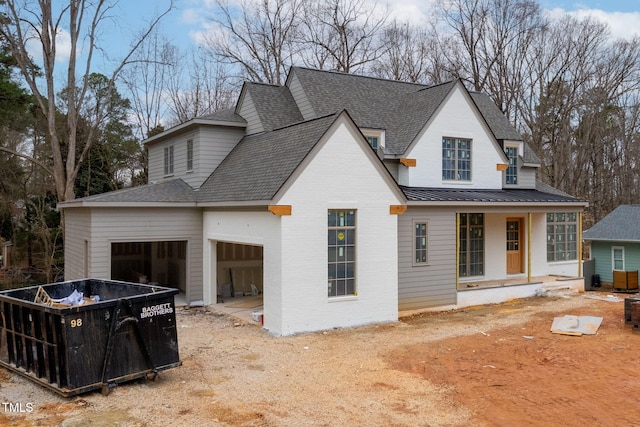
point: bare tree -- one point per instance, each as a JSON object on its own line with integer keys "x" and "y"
{"x": 413, "y": 53}
{"x": 487, "y": 44}
{"x": 467, "y": 22}
{"x": 342, "y": 35}
{"x": 605, "y": 155}
{"x": 560, "y": 67}
{"x": 577, "y": 104}
{"x": 200, "y": 86}
{"x": 25, "y": 21}
{"x": 147, "y": 79}
{"x": 259, "y": 39}
{"x": 407, "y": 55}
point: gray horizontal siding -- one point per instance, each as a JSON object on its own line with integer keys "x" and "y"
{"x": 77, "y": 231}
{"x": 249, "y": 112}
{"x": 211, "y": 144}
{"x": 156, "y": 156}
{"x": 301, "y": 98}
{"x": 156, "y": 161}
{"x": 145, "y": 225}
{"x": 527, "y": 177}
{"x": 434, "y": 284}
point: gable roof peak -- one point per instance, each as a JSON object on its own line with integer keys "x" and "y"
{"x": 448, "y": 82}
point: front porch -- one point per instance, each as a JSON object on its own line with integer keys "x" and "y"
{"x": 498, "y": 291}
{"x": 513, "y": 281}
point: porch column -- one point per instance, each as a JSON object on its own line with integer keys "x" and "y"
{"x": 579, "y": 238}
{"x": 529, "y": 234}
{"x": 457, "y": 249}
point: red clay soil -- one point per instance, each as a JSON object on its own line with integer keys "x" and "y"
{"x": 523, "y": 375}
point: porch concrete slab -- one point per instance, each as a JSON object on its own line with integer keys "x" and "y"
{"x": 240, "y": 307}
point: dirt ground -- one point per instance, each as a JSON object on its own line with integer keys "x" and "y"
{"x": 484, "y": 366}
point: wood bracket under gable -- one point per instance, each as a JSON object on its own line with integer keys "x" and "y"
{"x": 280, "y": 209}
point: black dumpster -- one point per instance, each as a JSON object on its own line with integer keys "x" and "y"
{"x": 128, "y": 333}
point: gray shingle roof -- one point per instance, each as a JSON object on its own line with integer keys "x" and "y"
{"x": 401, "y": 108}
{"x": 275, "y": 105}
{"x": 500, "y": 126}
{"x": 546, "y": 188}
{"x": 175, "y": 190}
{"x": 421, "y": 194}
{"x": 260, "y": 164}
{"x": 497, "y": 121}
{"x": 623, "y": 224}
{"x": 227, "y": 115}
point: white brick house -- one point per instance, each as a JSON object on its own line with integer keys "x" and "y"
{"x": 342, "y": 199}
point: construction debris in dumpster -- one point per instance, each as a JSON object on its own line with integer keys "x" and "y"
{"x": 74, "y": 299}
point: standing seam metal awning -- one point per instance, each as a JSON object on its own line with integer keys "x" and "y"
{"x": 422, "y": 194}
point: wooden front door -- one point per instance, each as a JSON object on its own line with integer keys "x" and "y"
{"x": 514, "y": 246}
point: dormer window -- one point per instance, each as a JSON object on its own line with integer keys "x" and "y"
{"x": 511, "y": 175}
{"x": 375, "y": 137}
{"x": 373, "y": 141}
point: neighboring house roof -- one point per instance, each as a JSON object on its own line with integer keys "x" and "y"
{"x": 463, "y": 195}
{"x": 171, "y": 191}
{"x": 622, "y": 224}
{"x": 275, "y": 105}
{"x": 261, "y": 163}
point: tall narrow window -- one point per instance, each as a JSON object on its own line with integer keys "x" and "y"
{"x": 342, "y": 250}
{"x": 190, "y": 154}
{"x": 456, "y": 159}
{"x": 420, "y": 234}
{"x": 512, "y": 170}
{"x": 471, "y": 262}
{"x": 562, "y": 236}
{"x": 617, "y": 257}
{"x": 168, "y": 160}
